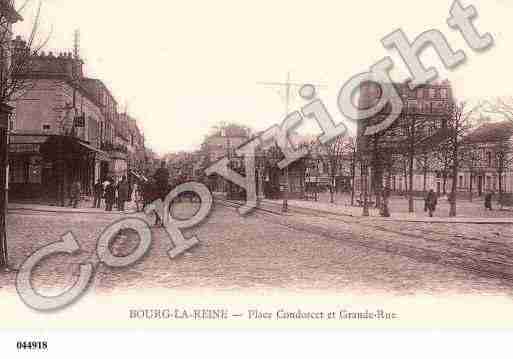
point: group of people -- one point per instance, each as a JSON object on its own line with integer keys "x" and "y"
{"x": 430, "y": 202}
{"x": 112, "y": 192}
{"x": 141, "y": 193}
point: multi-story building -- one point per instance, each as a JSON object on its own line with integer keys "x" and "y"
{"x": 419, "y": 128}
{"x": 106, "y": 129}
{"x": 57, "y": 129}
{"x": 136, "y": 148}
{"x": 129, "y": 154}
{"x": 221, "y": 143}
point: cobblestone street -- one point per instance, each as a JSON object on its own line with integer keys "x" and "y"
{"x": 263, "y": 252}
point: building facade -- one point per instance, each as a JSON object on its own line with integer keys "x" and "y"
{"x": 66, "y": 127}
{"x": 419, "y": 129}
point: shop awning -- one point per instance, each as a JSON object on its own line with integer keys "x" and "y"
{"x": 100, "y": 155}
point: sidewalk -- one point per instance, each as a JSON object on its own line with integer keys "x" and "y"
{"x": 85, "y": 207}
{"x": 418, "y": 216}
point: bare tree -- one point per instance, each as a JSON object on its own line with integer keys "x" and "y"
{"x": 425, "y": 164}
{"x": 333, "y": 160}
{"x": 459, "y": 124}
{"x": 442, "y": 155}
{"x": 503, "y": 161}
{"x": 15, "y": 64}
{"x": 502, "y": 107}
{"x": 18, "y": 62}
{"x": 350, "y": 153}
{"x": 470, "y": 160}
{"x": 413, "y": 135}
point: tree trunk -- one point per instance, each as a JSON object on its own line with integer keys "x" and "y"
{"x": 500, "y": 190}
{"x": 452, "y": 211}
{"x": 425, "y": 180}
{"x": 411, "y": 205}
{"x": 3, "y": 196}
{"x": 353, "y": 174}
{"x": 470, "y": 186}
{"x": 332, "y": 190}
{"x": 365, "y": 193}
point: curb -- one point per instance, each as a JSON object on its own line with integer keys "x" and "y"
{"x": 407, "y": 220}
{"x": 69, "y": 211}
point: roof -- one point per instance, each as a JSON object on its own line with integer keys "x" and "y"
{"x": 94, "y": 84}
{"x": 7, "y": 9}
{"x": 491, "y": 132}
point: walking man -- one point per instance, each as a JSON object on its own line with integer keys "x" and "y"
{"x": 122, "y": 194}
{"x": 75, "y": 192}
{"x": 162, "y": 180}
{"x": 110, "y": 196}
{"x": 431, "y": 202}
{"x": 488, "y": 201}
{"x": 98, "y": 194}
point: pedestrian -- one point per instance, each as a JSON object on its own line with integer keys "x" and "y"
{"x": 98, "y": 194}
{"x": 110, "y": 195}
{"x": 431, "y": 202}
{"x": 385, "y": 212}
{"x": 488, "y": 201}
{"x": 136, "y": 195}
{"x": 162, "y": 180}
{"x": 75, "y": 193}
{"x": 122, "y": 194}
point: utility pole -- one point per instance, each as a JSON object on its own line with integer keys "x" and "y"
{"x": 288, "y": 85}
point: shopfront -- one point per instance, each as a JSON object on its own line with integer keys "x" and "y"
{"x": 43, "y": 167}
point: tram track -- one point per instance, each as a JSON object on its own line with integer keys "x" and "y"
{"x": 485, "y": 258}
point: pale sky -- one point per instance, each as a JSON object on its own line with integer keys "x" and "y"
{"x": 185, "y": 66}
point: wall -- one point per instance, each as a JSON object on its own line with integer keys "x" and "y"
{"x": 45, "y": 105}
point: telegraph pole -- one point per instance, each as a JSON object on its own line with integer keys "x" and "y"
{"x": 288, "y": 85}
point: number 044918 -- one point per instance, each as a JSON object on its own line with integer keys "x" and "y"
{"x": 41, "y": 345}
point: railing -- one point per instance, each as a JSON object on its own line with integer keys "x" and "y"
{"x": 109, "y": 147}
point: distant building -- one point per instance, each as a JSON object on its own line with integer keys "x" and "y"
{"x": 428, "y": 105}
{"x": 221, "y": 143}
{"x": 491, "y": 145}
{"x": 224, "y": 142}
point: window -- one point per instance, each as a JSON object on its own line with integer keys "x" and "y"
{"x": 443, "y": 93}
{"x": 461, "y": 181}
{"x": 424, "y": 107}
{"x": 412, "y": 107}
{"x": 17, "y": 172}
{"x": 46, "y": 127}
{"x": 489, "y": 158}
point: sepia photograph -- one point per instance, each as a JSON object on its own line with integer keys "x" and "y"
{"x": 255, "y": 165}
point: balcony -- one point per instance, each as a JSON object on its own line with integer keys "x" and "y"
{"x": 115, "y": 151}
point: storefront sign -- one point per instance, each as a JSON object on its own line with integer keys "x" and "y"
{"x": 24, "y": 148}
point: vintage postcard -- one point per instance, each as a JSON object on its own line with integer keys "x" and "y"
{"x": 255, "y": 164}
